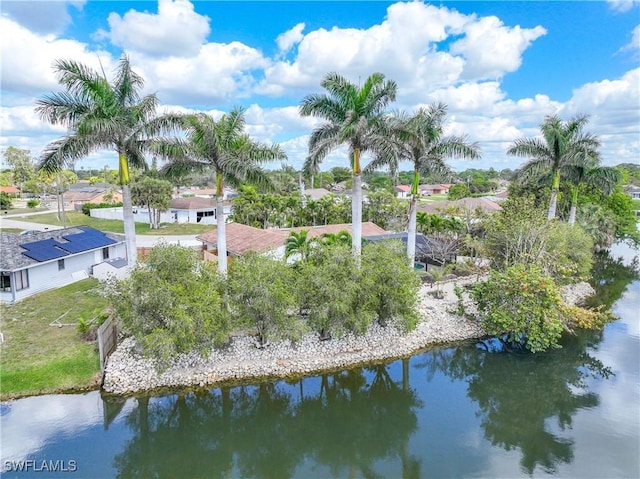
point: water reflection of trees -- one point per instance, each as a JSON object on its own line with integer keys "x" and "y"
{"x": 610, "y": 278}
{"x": 353, "y": 419}
{"x": 520, "y": 396}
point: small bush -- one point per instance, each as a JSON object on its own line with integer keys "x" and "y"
{"x": 522, "y": 304}
{"x": 33, "y": 203}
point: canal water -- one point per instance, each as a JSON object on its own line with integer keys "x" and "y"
{"x": 468, "y": 411}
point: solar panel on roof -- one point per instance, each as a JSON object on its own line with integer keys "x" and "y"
{"x": 40, "y": 244}
{"x": 43, "y": 254}
{"x": 87, "y": 240}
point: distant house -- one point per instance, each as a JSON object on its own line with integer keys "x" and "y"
{"x": 90, "y": 194}
{"x": 10, "y": 190}
{"x": 316, "y": 193}
{"x": 195, "y": 209}
{"x": 464, "y": 205}
{"x": 403, "y": 191}
{"x": 438, "y": 189}
{"x": 181, "y": 210}
{"x": 40, "y": 261}
{"x": 633, "y": 191}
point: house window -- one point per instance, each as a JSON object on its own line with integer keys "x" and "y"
{"x": 5, "y": 282}
{"x": 60, "y": 264}
{"x": 22, "y": 279}
{"x": 105, "y": 254}
{"x": 202, "y": 214}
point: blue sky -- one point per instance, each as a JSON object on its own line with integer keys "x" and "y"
{"x": 499, "y": 66}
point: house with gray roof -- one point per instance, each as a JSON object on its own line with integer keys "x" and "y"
{"x": 43, "y": 260}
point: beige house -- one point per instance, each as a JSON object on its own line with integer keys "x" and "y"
{"x": 76, "y": 198}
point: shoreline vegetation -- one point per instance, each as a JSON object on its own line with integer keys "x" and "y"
{"x": 127, "y": 372}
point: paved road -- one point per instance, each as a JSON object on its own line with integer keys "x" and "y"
{"x": 143, "y": 241}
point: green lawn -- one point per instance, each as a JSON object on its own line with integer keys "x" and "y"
{"x": 37, "y": 358}
{"x": 75, "y": 218}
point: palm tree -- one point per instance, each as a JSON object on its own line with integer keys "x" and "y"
{"x": 298, "y": 243}
{"x": 598, "y": 223}
{"x": 421, "y": 142}
{"x": 103, "y": 115}
{"x": 588, "y": 172}
{"x": 225, "y": 148}
{"x": 341, "y": 238}
{"x": 562, "y": 144}
{"x": 354, "y": 116}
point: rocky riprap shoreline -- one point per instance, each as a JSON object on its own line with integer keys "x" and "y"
{"x": 129, "y": 372}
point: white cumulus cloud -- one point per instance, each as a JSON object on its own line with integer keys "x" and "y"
{"x": 289, "y": 38}
{"x": 175, "y": 30}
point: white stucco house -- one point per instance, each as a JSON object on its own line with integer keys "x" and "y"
{"x": 194, "y": 210}
{"x": 40, "y": 261}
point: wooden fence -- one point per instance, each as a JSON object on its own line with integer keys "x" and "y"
{"x": 107, "y": 339}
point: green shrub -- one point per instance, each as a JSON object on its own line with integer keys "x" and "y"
{"x": 33, "y": 203}
{"x": 523, "y": 305}
{"x": 261, "y": 297}
{"x": 389, "y": 286}
{"x": 172, "y": 303}
{"x": 327, "y": 289}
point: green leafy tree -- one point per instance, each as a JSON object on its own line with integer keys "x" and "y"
{"x": 260, "y": 291}
{"x": 172, "y": 303}
{"x": 153, "y": 194}
{"x": 5, "y": 201}
{"x": 521, "y": 305}
{"x": 391, "y": 288}
{"x": 21, "y": 164}
{"x": 562, "y": 144}
{"x": 459, "y": 191}
{"x": 521, "y": 235}
{"x": 589, "y": 173}
{"x": 355, "y": 116}
{"x": 103, "y": 115}
{"x": 421, "y": 141}
{"x": 328, "y": 289}
{"x": 223, "y": 147}
{"x": 621, "y": 205}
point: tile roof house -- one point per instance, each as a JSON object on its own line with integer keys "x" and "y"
{"x": 242, "y": 238}
{"x": 10, "y": 190}
{"x": 403, "y": 191}
{"x": 464, "y": 204}
{"x": 39, "y": 261}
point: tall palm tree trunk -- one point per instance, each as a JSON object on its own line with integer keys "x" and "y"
{"x": 574, "y": 206}
{"x": 221, "y": 234}
{"x": 356, "y": 214}
{"x": 129, "y": 225}
{"x": 356, "y": 206}
{"x": 554, "y": 195}
{"x": 413, "y": 213}
{"x": 411, "y": 230}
